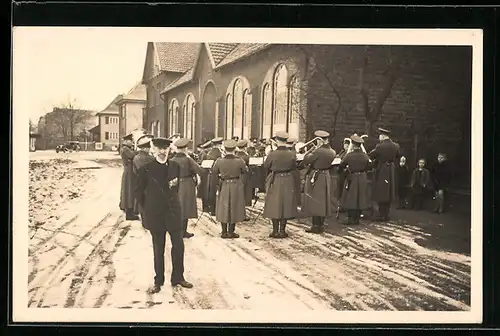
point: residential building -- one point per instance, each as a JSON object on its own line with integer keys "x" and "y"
{"x": 109, "y": 122}
{"x": 131, "y": 109}
{"x": 254, "y": 90}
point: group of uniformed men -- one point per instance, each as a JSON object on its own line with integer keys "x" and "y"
{"x": 162, "y": 185}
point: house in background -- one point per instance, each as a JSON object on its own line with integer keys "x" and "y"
{"x": 108, "y": 125}
{"x": 164, "y": 64}
{"x": 131, "y": 110}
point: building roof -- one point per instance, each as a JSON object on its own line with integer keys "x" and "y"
{"x": 94, "y": 129}
{"x": 137, "y": 92}
{"x": 220, "y": 50}
{"x": 112, "y": 107}
{"x": 176, "y": 57}
{"x": 221, "y": 54}
{"x": 242, "y": 50}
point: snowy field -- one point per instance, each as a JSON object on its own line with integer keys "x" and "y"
{"x": 82, "y": 253}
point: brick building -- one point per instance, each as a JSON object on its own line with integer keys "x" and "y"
{"x": 422, "y": 93}
{"x": 131, "y": 109}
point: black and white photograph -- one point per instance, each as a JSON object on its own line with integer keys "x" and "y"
{"x": 230, "y": 175}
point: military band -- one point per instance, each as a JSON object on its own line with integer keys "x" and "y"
{"x": 162, "y": 180}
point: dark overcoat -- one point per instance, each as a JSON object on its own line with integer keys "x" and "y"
{"x": 158, "y": 199}
{"x": 209, "y": 189}
{"x": 227, "y": 174}
{"x": 297, "y": 179}
{"x": 384, "y": 155}
{"x": 189, "y": 169}
{"x": 441, "y": 175}
{"x": 355, "y": 195}
{"x": 318, "y": 182}
{"x": 200, "y": 189}
{"x": 140, "y": 160}
{"x": 281, "y": 197}
{"x": 246, "y": 178}
{"x": 127, "y": 200}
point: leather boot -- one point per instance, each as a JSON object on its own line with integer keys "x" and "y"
{"x": 224, "y": 233}
{"x": 282, "y": 229}
{"x": 274, "y": 233}
{"x": 232, "y": 228}
{"x": 186, "y": 233}
{"x": 321, "y": 224}
{"x": 314, "y": 228}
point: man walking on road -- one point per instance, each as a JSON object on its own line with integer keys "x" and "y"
{"x": 157, "y": 195}
{"x": 142, "y": 157}
{"x": 127, "y": 201}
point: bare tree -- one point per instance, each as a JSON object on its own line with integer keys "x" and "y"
{"x": 67, "y": 120}
{"x": 320, "y": 73}
{"x": 373, "y": 108}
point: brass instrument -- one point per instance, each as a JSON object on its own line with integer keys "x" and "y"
{"x": 351, "y": 146}
{"x": 307, "y": 144}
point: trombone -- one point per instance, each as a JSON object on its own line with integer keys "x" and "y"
{"x": 299, "y": 146}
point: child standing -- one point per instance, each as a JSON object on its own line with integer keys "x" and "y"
{"x": 441, "y": 177}
{"x": 420, "y": 180}
{"x": 402, "y": 182}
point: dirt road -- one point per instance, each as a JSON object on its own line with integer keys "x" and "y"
{"x": 89, "y": 256}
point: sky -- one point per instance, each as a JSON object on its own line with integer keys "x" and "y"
{"x": 53, "y": 65}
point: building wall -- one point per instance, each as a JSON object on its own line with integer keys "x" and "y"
{"x": 131, "y": 117}
{"x": 112, "y": 129}
{"x": 155, "y": 109}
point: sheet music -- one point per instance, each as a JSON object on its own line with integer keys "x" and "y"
{"x": 207, "y": 164}
{"x": 300, "y": 157}
{"x": 336, "y": 161}
{"x": 256, "y": 161}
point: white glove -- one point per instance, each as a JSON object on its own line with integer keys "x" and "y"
{"x": 198, "y": 179}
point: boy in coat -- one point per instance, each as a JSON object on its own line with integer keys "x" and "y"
{"x": 441, "y": 176}
{"x": 157, "y": 194}
{"x": 402, "y": 182}
{"x": 189, "y": 178}
{"x": 420, "y": 180}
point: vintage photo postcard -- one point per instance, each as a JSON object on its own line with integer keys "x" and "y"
{"x": 177, "y": 175}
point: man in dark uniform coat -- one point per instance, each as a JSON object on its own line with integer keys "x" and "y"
{"x": 142, "y": 157}
{"x": 290, "y": 144}
{"x": 241, "y": 152}
{"x": 355, "y": 194}
{"x": 384, "y": 155}
{"x": 127, "y": 201}
{"x": 318, "y": 184}
{"x": 190, "y": 173}
{"x": 157, "y": 194}
{"x": 227, "y": 175}
{"x": 210, "y": 191}
{"x": 202, "y": 186}
{"x": 281, "y": 197}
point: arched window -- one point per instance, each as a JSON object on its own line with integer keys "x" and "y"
{"x": 229, "y": 116}
{"x": 247, "y": 114}
{"x": 158, "y": 129}
{"x": 189, "y": 106}
{"x": 294, "y": 107}
{"x": 266, "y": 111}
{"x": 174, "y": 117}
{"x": 280, "y": 99}
{"x": 238, "y": 109}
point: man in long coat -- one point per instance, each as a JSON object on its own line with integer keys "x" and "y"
{"x": 355, "y": 194}
{"x": 210, "y": 191}
{"x": 227, "y": 175}
{"x": 190, "y": 173}
{"x": 241, "y": 152}
{"x": 384, "y": 155}
{"x": 290, "y": 144}
{"x": 281, "y": 203}
{"x": 127, "y": 200}
{"x": 143, "y": 144}
{"x": 202, "y": 186}
{"x": 318, "y": 185}
{"x": 157, "y": 194}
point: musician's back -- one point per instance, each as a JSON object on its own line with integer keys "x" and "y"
{"x": 386, "y": 151}
{"x": 280, "y": 159}
{"x": 321, "y": 158}
{"x": 213, "y": 154}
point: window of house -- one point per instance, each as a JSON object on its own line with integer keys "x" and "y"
{"x": 189, "y": 116}
{"x": 173, "y": 117}
{"x": 106, "y": 120}
{"x": 229, "y": 115}
{"x": 280, "y": 99}
{"x": 238, "y": 108}
{"x": 266, "y": 111}
{"x": 294, "y": 107}
{"x": 247, "y": 114}
{"x": 158, "y": 128}
{"x": 106, "y": 135}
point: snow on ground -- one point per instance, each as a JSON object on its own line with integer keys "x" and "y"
{"x": 89, "y": 256}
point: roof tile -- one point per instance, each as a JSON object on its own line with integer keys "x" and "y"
{"x": 187, "y": 77}
{"x": 242, "y": 50}
{"x": 220, "y": 50}
{"x": 138, "y": 92}
{"x": 176, "y": 57}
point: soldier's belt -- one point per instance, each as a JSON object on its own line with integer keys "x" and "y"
{"x": 230, "y": 178}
